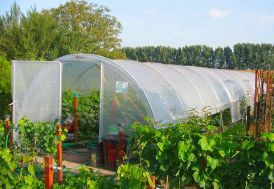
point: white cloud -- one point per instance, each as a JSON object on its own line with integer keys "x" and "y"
{"x": 217, "y": 13}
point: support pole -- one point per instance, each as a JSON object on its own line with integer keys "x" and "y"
{"x": 266, "y": 97}
{"x": 48, "y": 172}
{"x": 121, "y": 146}
{"x": 268, "y": 101}
{"x": 75, "y": 120}
{"x": 248, "y": 109}
{"x": 153, "y": 179}
{"x": 59, "y": 155}
{"x": 113, "y": 110}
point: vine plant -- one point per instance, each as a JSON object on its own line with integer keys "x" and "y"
{"x": 37, "y": 138}
{"x": 194, "y": 154}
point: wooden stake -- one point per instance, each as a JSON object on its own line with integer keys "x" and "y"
{"x": 153, "y": 179}
{"x": 59, "y": 155}
{"x": 48, "y": 172}
{"x": 75, "y": 120}
{"x": 121, "y": 146}
{"x": 248, "y": 109}
{"x": 167, "y": 183}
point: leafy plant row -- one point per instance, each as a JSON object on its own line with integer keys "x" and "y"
{"x": 29, "y": 175}
{"x": 19, "y": 169}
{"x": 192, "y": 153}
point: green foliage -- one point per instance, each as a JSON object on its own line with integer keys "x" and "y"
{"x": 36, "y": 138}
{"x": 128, "y": 176}
{"x": 2, "y": 134}
{"x": 88, "y": 112}
{"x": 5, "y": 86}
{"x": 76, "y": 27}
{"x": 87, "y": 28}
{"x": 133, "y": 176}
{"x": 32, "y": 36}
{"x": 192, "y": 153}
{"x": 13, "y": 176}
{"x": 242, "y": 56}
{"x": 86, "y": 179}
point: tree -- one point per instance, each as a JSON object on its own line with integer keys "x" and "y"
{"x": 207, "y": 57}
{"x": 76, "y": 27}
{"x": 228, "y": 58}
{"x": 5, "y": 86}
{"x": 33, "y": 36}
{"x": 87, "y": 28}
{"x": 219, "y": 58}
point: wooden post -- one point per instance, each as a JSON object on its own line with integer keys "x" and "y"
{"x": 48, "y": 172}
{"x": 248, "y": 109}
{"x": 268, "y": 102}
{"x": 121, "y": 146}
{"x": 59, "y": 155}
{"x": 266, "y": 97}
{"x": 258, "y": 107}
{"x": 113, "y": 110}
{"x": 270, "y": 93}
{"x": 75, "y": 120}
{"x": 153, "y": 179}
{"x": 257, "y": 103}
{"x": 8, "y": 127}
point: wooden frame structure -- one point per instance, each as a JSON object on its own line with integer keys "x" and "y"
{"x": 263, "y": 101}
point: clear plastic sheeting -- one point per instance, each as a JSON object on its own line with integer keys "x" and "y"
{"x": 129, "y": 90}
{"x": 122, "y": 101}
{"x": 82, "y": 75}
{"x": 36, "y": 89}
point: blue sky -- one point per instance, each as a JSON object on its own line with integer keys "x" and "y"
{"x": 183, "y": 22}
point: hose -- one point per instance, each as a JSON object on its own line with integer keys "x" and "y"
{"x": 7, "y": 138}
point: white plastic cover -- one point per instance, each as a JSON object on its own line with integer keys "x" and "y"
{"x": 36, "y": 89}
{"x": 129, "y": 90}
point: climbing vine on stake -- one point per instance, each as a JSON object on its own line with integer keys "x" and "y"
{"x": 37, "y": 138}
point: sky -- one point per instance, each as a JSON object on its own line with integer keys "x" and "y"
{"x": 177, "y": 23}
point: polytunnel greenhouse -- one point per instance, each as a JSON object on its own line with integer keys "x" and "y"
{"x": 129, "y": 90}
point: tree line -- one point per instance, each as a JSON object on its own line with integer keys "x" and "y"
{"x": 241, "y": 56}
